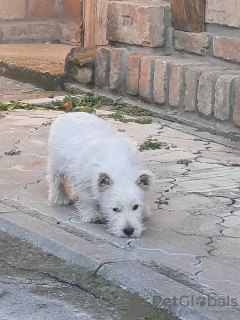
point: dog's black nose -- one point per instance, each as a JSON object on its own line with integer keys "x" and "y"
{"x": 128, "y": 231}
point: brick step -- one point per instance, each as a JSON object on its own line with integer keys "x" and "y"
{"x": 39, "y": 31}
{"x": 205, "y": 43}
{"x": 181, "y": 84}
{"x": 137, "y": 22}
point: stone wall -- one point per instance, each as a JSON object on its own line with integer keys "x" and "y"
{"x": 186, "y": 72}
{"x": 23, "y": 21}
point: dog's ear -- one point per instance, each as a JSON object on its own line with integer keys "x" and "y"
{"x": 144, "y": 180}
{"x": 104, "y": 182}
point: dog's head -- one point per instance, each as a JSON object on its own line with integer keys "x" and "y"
{"x": 122, "y": 202}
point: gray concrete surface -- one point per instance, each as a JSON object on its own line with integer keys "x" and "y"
{"x": 37, "y": 285}
{"x": 190, "y": 248}
{"x": 9, "y": 88}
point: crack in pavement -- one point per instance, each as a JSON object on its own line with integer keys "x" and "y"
{"x": 180, "y": 277}
{"x": 52, "y": 277}
{"x": 232, "y": 199}
{"x": 99, "y": 267}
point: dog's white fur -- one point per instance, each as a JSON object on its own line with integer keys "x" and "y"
{"x": 103, "y": 173}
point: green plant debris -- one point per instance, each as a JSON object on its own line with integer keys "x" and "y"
{"x": 14, "y": 105}
{"x": 13, "y": 152}
{"x": 79, "y": 102}
{"x": 128, "y": 110}
{"x": 186, "y": 162}
{"x": 86, "y": 102}
{"x": 152, "y": 145}
{"x": 120, "y": 117}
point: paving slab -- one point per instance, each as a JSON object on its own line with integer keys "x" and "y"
{"x": 191, "y": 243}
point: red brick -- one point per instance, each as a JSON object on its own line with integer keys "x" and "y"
{"x": 83, "y": 74}
{"x": 118, "y": 69}
{"x": 192, "y": 75}
{"x": 136, "y": 23}
{"x": 72, "y": 9}
{"x": 133, "y": 73}
{"x": 236, "y": 108}
{"x": 45, "y": 8}
{"x": 206, "y": 92}
{"x": 220, "y": 12}
{"x": 14, "y": 9}
{"x": 102, "y": 67}
{"x": 71, "y": 33}
{"x": 176, "y": 84}
{"x": 192, "y": 42}
{"x": 83, "y": 56}
{"x": 146, "y": 78}
{"x": 222, "y": 97}
{"x": 28, "y": 31}
{"x": 160, "y": 81}
{"x": 226, "y": 48}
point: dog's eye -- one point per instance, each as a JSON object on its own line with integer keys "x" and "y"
{"x": 135, "y": 207}
{"x": 116, "y": 209}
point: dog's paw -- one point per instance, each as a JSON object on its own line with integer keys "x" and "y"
{"x": 98, "y": 220}
{"x": 91, "y": 217}
{"x": 61, "y": 202}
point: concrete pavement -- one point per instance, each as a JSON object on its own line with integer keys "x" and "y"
{"x": 187, "y": 260}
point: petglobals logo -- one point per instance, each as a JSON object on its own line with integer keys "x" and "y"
{"x": 191, "y": 301}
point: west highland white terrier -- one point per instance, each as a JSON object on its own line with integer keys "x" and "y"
{"x": 103, "y": 172}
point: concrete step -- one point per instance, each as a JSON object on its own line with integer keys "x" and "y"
{"x": 38, "y": 64}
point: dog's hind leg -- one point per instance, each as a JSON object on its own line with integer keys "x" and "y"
{"x": 57, "y": 192}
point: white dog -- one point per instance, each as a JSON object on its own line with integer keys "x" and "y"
{"x": 102, "y": 170}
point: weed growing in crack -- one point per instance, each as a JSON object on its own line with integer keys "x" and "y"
{"x": 152, "y": 145}
{"x": 121, "y": 110}
{"x": 127, "y": 110}
{"x": 120, "y": 117}
{"x": 186, "y": 162}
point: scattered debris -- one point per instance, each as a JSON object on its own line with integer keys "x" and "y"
{"x": 198, "y": 139}
{"x": 186, "y": 162}
{"x": 233, "y": 164}
{"x": 12, "y": 152}
{"x": 86, "y": 102}
{"x": 48, "y": 123}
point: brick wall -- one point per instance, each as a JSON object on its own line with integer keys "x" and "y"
{"x": 150, "y": 24}
{"x": 171, "y": 66}
{"x": 23, "y": 21}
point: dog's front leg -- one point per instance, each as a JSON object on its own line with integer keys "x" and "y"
{"x": 88, "y": 208}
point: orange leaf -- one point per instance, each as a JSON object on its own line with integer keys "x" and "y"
{"x": 67, "y": 105}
